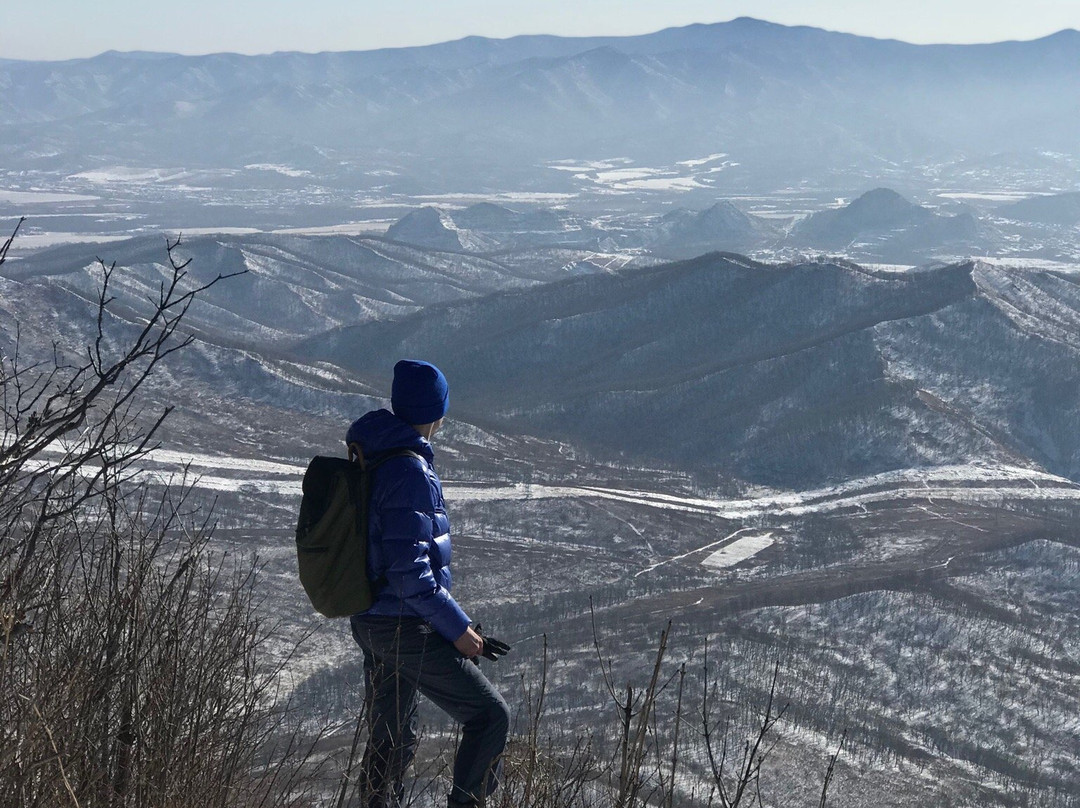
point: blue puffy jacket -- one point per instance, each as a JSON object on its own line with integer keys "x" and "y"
{"x": 409, "y": 529}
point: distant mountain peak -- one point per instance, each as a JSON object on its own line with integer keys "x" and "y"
{"x": 881, "y": 203}
{"x": 737, "y": 22}
{"x": 725, "y": 206}
{"x": 882, "y": 215}
{"x": 1069, "y": 35}
{"x": 755, "y": 22}
{"x": 426, "y": 227}
{"x": 722, "y": 226}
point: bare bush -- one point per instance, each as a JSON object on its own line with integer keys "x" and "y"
{"x": 643, "y": 758}
{"x": 130, "y": 665}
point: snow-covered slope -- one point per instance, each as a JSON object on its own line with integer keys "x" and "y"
{"x": 784, "y": 374}
{"x": 296, "y": 286}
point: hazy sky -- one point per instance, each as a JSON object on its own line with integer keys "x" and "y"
{"x": 62, "y": 29}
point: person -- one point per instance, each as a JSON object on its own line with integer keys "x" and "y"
{"x": 415, "y": 637}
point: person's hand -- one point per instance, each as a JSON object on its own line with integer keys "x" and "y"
{"x": 493, "y": 649}
{"x": 470, "y": 644}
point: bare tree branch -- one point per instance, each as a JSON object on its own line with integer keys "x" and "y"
{"x": 829, "y": 771}
{"x": 7, "y": 244}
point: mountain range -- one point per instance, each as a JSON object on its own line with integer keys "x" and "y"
{"x": 784, "y": 104}
{"x": 296, "y": 286}
{"x": 786, "y": 374}
{"x": 878, "y": 225}
{"x": 782, "y": 374}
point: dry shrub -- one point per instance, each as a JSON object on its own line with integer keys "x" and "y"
{"x": 130, "y": 664}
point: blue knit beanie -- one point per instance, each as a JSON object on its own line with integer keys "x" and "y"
{"x": 420, "y": 394}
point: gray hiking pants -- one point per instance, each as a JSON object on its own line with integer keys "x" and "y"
{"x": 404, "y": 657}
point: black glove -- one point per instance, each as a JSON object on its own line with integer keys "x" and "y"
{"x": 493, "y": 649}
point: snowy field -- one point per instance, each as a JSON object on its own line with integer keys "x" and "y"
{"x": 42, "y": 197}
{"x": 619, "y": 175}
{"x": 970, "y": 484}
{"x": 29, "y": 242}
{"x": 739, "y": 551}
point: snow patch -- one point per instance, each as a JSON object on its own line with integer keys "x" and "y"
{"x": 280, "y": 169}
{"x": 509, "y": 196}
{"x": 37, "y": 241}
{"x": 588, "y": 165}
{"x": 998, "y": 196}
{"x": 738, "y": 551}
{"x": 1027, "y": 263}
{"x": 222, "y": 462}
{"x": 661, "y": 184}
{"x": 379, "y": 226}
{"x": 133, "y": 175}
{"x": 217, "y": 231}
{"x": 42, "y": 197}
{"x": 712, "y": 158}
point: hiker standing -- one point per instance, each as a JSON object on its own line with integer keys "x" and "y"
{"x": 415, "y": 637}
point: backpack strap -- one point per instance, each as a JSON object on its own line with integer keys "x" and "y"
{"x": 362, "y": 491}
{"x": 356, "y": 455}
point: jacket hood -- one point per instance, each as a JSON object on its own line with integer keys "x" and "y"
{"x": 381, "y": 431}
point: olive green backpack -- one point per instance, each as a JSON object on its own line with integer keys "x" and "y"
{"x": 332, "y": 533}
